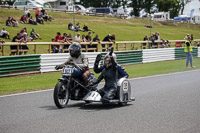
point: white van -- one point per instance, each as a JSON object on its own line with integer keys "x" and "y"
{"x": 30, "y": 4}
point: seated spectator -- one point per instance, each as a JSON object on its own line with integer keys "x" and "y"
{"x": 17, "y": 38}
{"x": 162, "y": 44}
{"x": 32, "y": 21}
{"x": 34, "y": 35}
{"x": 8, "y": 22}
{"x": 106, "y": 39}
{"x": 145, "y": 39}
{"x": 14, "y": 22}
{"x": 70, "y": 26}
{"x": 58, "y": 38}
{"x": 23, "y": 19}
{"x": 40, "y": 19}
{"x": 85, "y": 28}
{"x": 77, "y": 27}
{"x": 78, "y": 38}
{"x": 4, "y": 34}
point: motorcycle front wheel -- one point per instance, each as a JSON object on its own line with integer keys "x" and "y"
{"x": 61, "y": 95}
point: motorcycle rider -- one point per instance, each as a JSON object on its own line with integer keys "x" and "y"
{"x": 79, "y": 60}
{"x": 109, "y": 74}
{"x": 97, "y": 69}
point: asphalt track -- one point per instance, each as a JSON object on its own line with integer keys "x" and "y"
{"x": 164, "y": 104}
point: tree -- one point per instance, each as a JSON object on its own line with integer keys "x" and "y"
{"x": 137, "y": 6}
{"x": 182, "y": 3}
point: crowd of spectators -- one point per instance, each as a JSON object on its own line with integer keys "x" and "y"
{"x": 11, "y": 22}
{"x": 40, "y": 17}
{"x": 153, "y": 38}
{"x": 80, "y": 38}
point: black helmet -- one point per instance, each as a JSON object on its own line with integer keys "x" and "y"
{"x": 76, "y": 48}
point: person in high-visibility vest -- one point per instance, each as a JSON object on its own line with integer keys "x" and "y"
{"x": 188, "y": 51}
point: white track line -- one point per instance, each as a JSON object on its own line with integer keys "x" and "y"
{"x": 25, "y": 93}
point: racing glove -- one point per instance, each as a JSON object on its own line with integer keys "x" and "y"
{"x": 58, "y": 67}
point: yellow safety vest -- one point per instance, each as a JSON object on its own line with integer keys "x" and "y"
{"x": 186, "y": 48}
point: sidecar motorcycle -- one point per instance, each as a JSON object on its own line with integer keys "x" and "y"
{"x": 71, "y": 87}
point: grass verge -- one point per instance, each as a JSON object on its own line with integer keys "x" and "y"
{"x": 26, "y": 83}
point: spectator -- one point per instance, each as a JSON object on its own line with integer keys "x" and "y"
{"x": 8, "y": 22}
{"x": 85, "y": 28}
{"x": 112, "y": 38}
{"x": 37, "y": 13}
{"x": 34, "y": 35}
{"x": 188, "y": 50}
{"x": 32, "y": 21}
{"x": 106, "y": 39}
{"x": 192, "y": 38}
{"x": 152, "y": 39}
{"x": 96, "y": 39}
{"x": 43, "y": 11}
{"x": 83, "y": 39}
{"x": 27, "y": 13}
{"x": 58, "y": 38}
{"x": 17, "y": 38}
{"x": 78, "y": 38}
{"x": 78, "y": 28}
{"x": 26, "y": 38}
{"x": 40, "y": 20}
{"x": 70, "y": 26}
{"x": 14, "y": 22}
{"x": 23, "y": 19}
{"x": 88, "y": 37}
{"x": 4, "y": 34}
{"x": 145, "y": 39}
{"x": 69, "y": 37}
{"x": 162, "y": 44}
{"x": 65, "y": 39}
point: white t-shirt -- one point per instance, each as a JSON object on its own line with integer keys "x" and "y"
{"x": 3, "y": 31}
{"x": 77, "y": 39}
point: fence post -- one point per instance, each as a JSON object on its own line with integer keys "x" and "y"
{"x": 34, "y": 49}
{"x": 17, "y": 49}
{"x": 2, "y": 50}
{"x": 117, "y": 48}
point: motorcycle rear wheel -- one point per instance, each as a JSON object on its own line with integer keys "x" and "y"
{"x": 61, "y": 95}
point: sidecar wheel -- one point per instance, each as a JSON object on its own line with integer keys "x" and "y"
{"x": 61, "y": 95}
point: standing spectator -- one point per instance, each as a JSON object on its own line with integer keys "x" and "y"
{"x": 23, "y": 19}
{"x": 188, "y": 50}
{"x": 78, "y": 38}
{"x": 96, "y": 38}
{"x": 145, "y": 39}
{"x": 66, "y": 40}
{"x": 88, "y": 37}
{"x": 27, "y": 13}
{"x": 192, "y": 38}
{"x": 17, "y": 38}
{"x": 26, "y": 38}
{"x": 55, "y": 48}
{"x": 106, "y": 39}
{"x": 69, "y": 37}
{"x": 112, "y": 38}
{"x": 43, "y": 11}
{"x": 83, "y": 39}
{"x": 37, "y": 12}
{"x": 4, "y": 33}
{"x": 34, "y": 35}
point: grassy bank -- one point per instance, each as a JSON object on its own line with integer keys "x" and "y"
{"x": 125, "y": 30}
{"x": 48, "y": 80}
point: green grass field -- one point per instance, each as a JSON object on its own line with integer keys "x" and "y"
{"x": 26, "y": 83}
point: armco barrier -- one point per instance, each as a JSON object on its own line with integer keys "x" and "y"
{"x": 17, "y": 65}
{"x": 49, "y": 61}
{"x": 153, "y": 55}
{"x": 180, "y": 54}
{"x": 129, "y": 57}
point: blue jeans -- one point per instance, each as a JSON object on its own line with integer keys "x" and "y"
{"x": 189, "y": 58}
